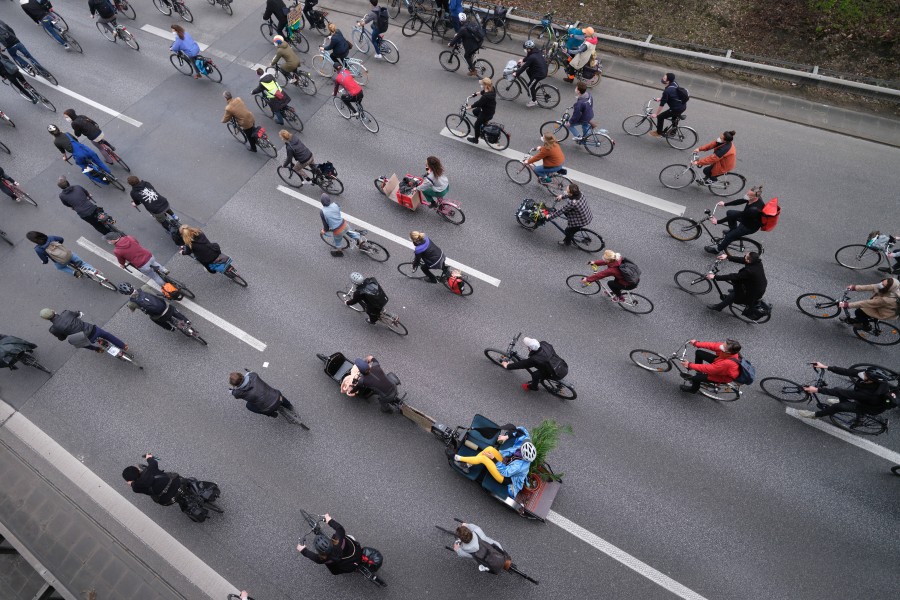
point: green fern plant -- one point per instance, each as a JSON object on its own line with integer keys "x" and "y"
{"x": 545, "y": 438}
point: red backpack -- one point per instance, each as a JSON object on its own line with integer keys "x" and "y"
{"x": 770, "y": 213}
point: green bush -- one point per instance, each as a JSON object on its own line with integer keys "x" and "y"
{"x": 545, "y": 438}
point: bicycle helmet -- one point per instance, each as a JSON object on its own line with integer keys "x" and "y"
{"x": 126, "y": 288}
{"x": 529, "y": 452}
{"x": 877, "y": 374}
{"x": 337, "y": 66}
{"x": 322, "y": 544}
{"x": 278, "y": 39}
{"x": 52, "y": 128}
{"x": 357, "y": 278}
{"x": 528, "y": 45}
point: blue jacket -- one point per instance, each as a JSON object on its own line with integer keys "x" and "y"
{"x": 455, "y": 7}
{"x": 670, "y": 97}
{"x": 42, "y": 250}
{"x": 84, "y": 155}
{"x": 516, "y": 470}
{"x": 584, "y": 109}
{"x": 186, "y": 45}
{"x": 575, "y": 39}
{"x": 331, "y": 216}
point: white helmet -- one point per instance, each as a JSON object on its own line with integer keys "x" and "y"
{"x": 357, "y": 278}
{"x": 529, "y": 452}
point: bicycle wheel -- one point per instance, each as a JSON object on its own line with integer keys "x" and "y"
{"x": 651, "y": 361}
{"x": 393, "y": 323}
{"x": 637, "y": 304}
{"x": 720, "y": 392}
{"x": 290, "y": 177}
{"x": 518, "y": 171}
{"x": 394, "y": 9}
{"x": 162, "y": 7}
{"x": 194, "y": 335}
{"x": 508, "y": 89}
{"x": 43, "y": 100}
{"x": 368, "y": 121}
{"x": 126, "y": 9}
{"x": 326, "y": 239}
{"x": 359, "y": 72}
{"x": 306, "y": 84}
{"x": 547, "y": 96}
{"x": 322, "y": 66}
{"x": 293, "y": 119}
{"x": 557, "y": 128}
{"x": 5, "y": 148}
{"x": 105, "y": 32}
{"x": 861, "y": 424}
{"x": 321, "y": 27}
{"x": 552, "y": 66}
{"x": 231, "y": 274}
{"x": 451, "y": 213}
{"x": 74, "y": 45}
{"x": 502, "y": 142}
{"x": 7, "y": 120}
{"x": 213, "y": 73}
{"x": 693, "y": 282}
{"x": 30, "y": 361}
{"x": 406, "y": 269}
{"x": 560, "y": 389}
{"x": 345, "y": 297}
{"x": 676, "y": 176}
{"x": 598, "y": 144}
{"x": 341, "y": 107}
{"x": 484, "y": 69}
{"x": 587, "y": 240}
{"x": 494, "y": 30}
{"x": 131, "y": 41}
{"x": 537, "y": 34}
{"x": 818, "y": 306}
{"x": 637, "y": 125}
{"x": 465, "y": 289}
{"x": 185, "y": 13}
{"x": 101, "y": 279}
{"x": 449, "y": 61}
{"x": 784, "y": 390}
{"x": 887, "y": 334}
{"x": 389, "y": 52}
{"x": 361, "y": 40}
{"x": 111, "y": 180}
{"x": 857, "y": 256}
{"x": 741, "y": 246}
{"x": 237, "y": 132}
{"x": 682, "y": 138}
{"x": 375, "y": 251}
{"x": 299, "y": 42}
{"x": 412, "y": 26}
{"x": 121, "y": 162}
{"x": 331, "y": 185}
{"x": 728, "y": 184}
{"x": 585, "y": 289}
{"x": 6, "y": 239}
{"x": 558, "y": 184}
{"x": 46, "y": 75}
{"x": 458, "y": 125}
{"x": 181, "y": 65}
{"x": 497, "y": 356}
{"x": 266, "y": 146}
{"x": 129, "y": 358}
{"x": 181, "y": 287}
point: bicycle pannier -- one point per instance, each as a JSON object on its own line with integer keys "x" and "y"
{"x": 757, "y": 311}
{"x": 171, "y": 292}
{"x": 328, "y": 169}
{"x": 491, "y": 133}
{"x": 58, "y": 253}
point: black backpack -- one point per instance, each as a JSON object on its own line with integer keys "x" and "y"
{"x": 558, "y": 367}
{"x": 383, "y": 19}
{"x": 683, "y": 94}
{"x": 477, "y": 31}
{"x": 630, "y": 271}
{"x": 373, "y": 293}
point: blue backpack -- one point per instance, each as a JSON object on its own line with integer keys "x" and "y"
{"x": 746, "y": 371}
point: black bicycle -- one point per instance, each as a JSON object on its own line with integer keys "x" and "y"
{"x": 33, "y": 68}
{"x": 508, "y": 565}
{"x": 291, "y": 118}
{"x": 32, "y": 95}
{"x": 531, "y": 214}
{"x": 453, "y": 279}
{"x": 373, "y": 250}
{"x": 437, "y": 22}
{"x": 6, "y": 239}
{"x": 262, "y": 138}
{"x": 675, "y": 134}
{"x": 698, "y": 284}
{"x": 21, "y": 351}
{"x": 371, "y": 560}
{"x": 167, "y": 6}
{"x": 450, "y": 61}
{"x": 492, "y": 19}
{"x": 300, "y": 79}
{"x": 656, "y": 362}
{"x": 225, "y": 4}
{"x": 459, "y": 125}
{"x": 684, "y": 229}
{"x": 820, "y": 306}
{"x": 203, "y": 64}
{"x": 391, "y": 321}
{"x": 558, "y": 387}
{"x": 324, "y": 175}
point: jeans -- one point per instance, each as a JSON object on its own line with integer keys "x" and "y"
{"x": 19, "y": 48}
{"x": 585, "y": 127}
{"x": 279, "y": 117}
{"x": 489, "y": 463}
{"x": 701, "y": 356}
{"x": 844, "y": 406}
{"x": 147, "y": 270}
{"x": 667, "y": 114}
{"x": 100, "y": 333}
{"x": 336, "y": 238}
{"x": 47, "y": 24}
{"x": 542, "y": 171}
{"x": 67, "y": 268}
{"x": 376, "y": 39}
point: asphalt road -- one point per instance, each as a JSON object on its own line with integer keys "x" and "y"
{"x": 733, "y": 501}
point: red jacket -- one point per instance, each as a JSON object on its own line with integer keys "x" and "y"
{"x": 345, "y": 80}
{"x": 611, "y": 270}
{"x": 128, "y": 249}
{"x": 724, "y": 369}
{"x": 723, "y": 158}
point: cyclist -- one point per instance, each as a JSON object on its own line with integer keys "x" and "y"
{"x": 583, "y": 56}
{"x": 286, "y": 55}
{"x": 748, "y": 284}
{"x": 582, "y": 112}
{"x": 353, "y": 92}
{"x": 369, "y": 293}
{"x": 273, "y": 93}
{"x": 154, "y": 306}
{"x": 435, "y": 183}
{"x": 297, "y": 153}
{"x": 261, "y": 397}
{"x": 427, "y": 255}
{"x": 670, "y": 98}
{"x": 368, "y": 376}
{"x": 311, "y": 14}
{"x": 483, "y": 108}
{"x": 551, "y": 156}
{"x": 129, "y": 250}
{"x": 49, "y": 248}
{"x": 196, "y": 244}
{"x": 341, "y": 553}
{"x": 80, "y": 200}
{"x": 277, "y": 9}
{"x": 338, "y": 46}
{"x": 471, "y": 37}
{"x": 740, "y": 223}
{"x": 142, "y": 192}
{"x": 539, "y": 359}
{"x": 9, "y": 71}
{"x": 882, "y": 305}
{"x": 622, "y": 279}
{"x": 84, "y": 125}
{"x": 333, "y": 222}
{"x": 378, "y": 16}
{"x": 507, "y": 466}
{"x": 84, "y": 157}
{"x": 472, "y": 542}
{"x": 185, "y": 44}
{"x": 39, "y": 11}
{"x": 106, "y": 11}
{"x": 575, "y": 210}
{"x": 535, "y": 66}
{"x": 722, "y": 366}
{"x": 17, "y": 50}
{"x": 721, "y": 161}
{"x": 6, "y": 190}
{"x": 237, "y": 110}
{"x": 12, "y": 348}
{"x": 871, "y": 393}
{"x": 574, "y": 39}
{"x": 69, "y": 326}
{"x": 166, "y": 488}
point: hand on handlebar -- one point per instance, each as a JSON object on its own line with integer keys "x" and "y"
{"x": 720, "y": 203}
{"x": 327, "y": 517}
{"x": 300, "y": 547}
{"x": 714, "y": 220}
{"x": 819, "y": 365}
{"x": 503, "y": 363}
{"x": 692, "y": 342}
{"x": 811, "y": 389}
{"x": 852, "y": 288}
{"x": 684, "y": 363}
{"x": 844, "y": 304}
{"x": 148, "y": 455}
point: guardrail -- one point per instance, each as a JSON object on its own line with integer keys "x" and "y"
{"x": 779, "y": 69}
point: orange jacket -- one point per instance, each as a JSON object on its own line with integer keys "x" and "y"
{"x": 721, "y": 164}
{"x": 553, "y": 157}
{"x": 723, "y": 369}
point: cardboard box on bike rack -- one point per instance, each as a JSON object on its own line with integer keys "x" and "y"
{"x": 392, "y": 190}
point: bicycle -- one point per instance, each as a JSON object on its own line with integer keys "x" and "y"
{"x": 227, "y": 269}
{"x": 556, "y": 183}
{"x": 300, "y": 79}
{"x": 319, "y": 22}
{"x": 508, "y": 566}
{"x": 32, "y": 95}
{"x": 27, "y": 358}
{"x": 531, "y": 214}
{"x": 392, "y": 321}
{"x": 633, "y": 303}
{"x": 93, "y": 274}
{"x": 676, "y": 177}
{"x": 323, "y": 175}
{"x": 364, "y": 116}
{"x": 62, "y": 29}
{"x": 116, "y": 352}
{"x": 449, "y": 60}
{"x": 371, "y": 559}
{"x": 557, "y": 57}
{"x": 166, "y": 276}
{"x": 697, "y": 284}
{"x": 373, "y": 250}
{"x": 791, "y": 392}
{"x": 111, "y": 155}
{"x": 439, "y": 24}
{"x": 653, "y": 361}
{"x": 363, "y": 42}
{"x": 118, "y": 32}
{"x": 684, "y": 229}
{"x": 448, "y": 209}
{"x": 125, "y": 8}
{"x": 820, "y": 306}
{"x": 5, "y": 118}
{"x": 325, "y": 67}
{"x": 186, "y": 65}
{"x": 462, "y": 281}
{"x": 492, "y": 21}
{"x": 878, "y": 247}
{"x": 293, "y": 35}
{"x": 411, "y": 7}
{"x": 544, "y": 30}
{"x": 558, "y": 387}
{"x": 596, "y": 141}
{"x": 18, "y": 192}
{"x": 676, "y": 135}
{"x": 262, "y": 138}
{"x": 32, "y": 68}
{"x": 225, "y": 4}
{"x": 167, "y": 6}
{"x": 289, "y": 115}
{"x": 510, "y": 86}
{"x": 456, "y": 121}
{"x": 25, "y": 355}
{"x": 93, "y": 171}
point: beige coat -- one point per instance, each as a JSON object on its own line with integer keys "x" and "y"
{"x": 237, "y": 109}
{"x": 882, "y": 304}
{"x": 583, "y": 58}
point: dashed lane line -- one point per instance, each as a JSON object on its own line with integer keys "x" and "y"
{"x": 167, "y": 35}
{"x": 188, "y": 304}
{"x": 868, "y": 446}
{"x": 89, "y": 102}
{"x": 390, "y": 236}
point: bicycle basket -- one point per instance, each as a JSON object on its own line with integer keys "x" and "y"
{"x": 528, "y": 209}
{"x": 879, "y": 242}
{"x": 327, "y": 169}
{"x": 492, "y": 132}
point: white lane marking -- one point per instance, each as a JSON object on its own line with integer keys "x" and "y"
{"x": 868, "y": 446}
{"x": 165, "y": 34}
{"x": 623, "y": 557}
{"x": 89, "y": 102}
{"x": 168, "y": 35}
{"x": 188, "y": 304}
{"x": 595, "y": 182}
{"x": 191, "y": 567}
{"x": 390, "y": 236}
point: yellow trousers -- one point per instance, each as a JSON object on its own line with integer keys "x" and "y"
{"x": 489, "y": 463}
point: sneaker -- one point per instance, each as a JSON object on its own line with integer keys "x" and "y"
{"x": 337, "y": 253}
{"x": 564, "y": 243}
{"x": 459, "y": 464}
{"x": 685, "y": 375}
{"x": 578, "y": 138}
{"x": 711, "y": 249}
{"x": 831, "y": 401}
{"x": 655, "y": 134}
{"x": 378, "y": 56}
{"x": 707, "y": 181}
{"x": 806, "y": 414}
{"x": 687, "y": 388}
{"x": 619, "y": 298}
{"x": 531, "y": 103}
{"x": 527, "y": 387}
{"x": 67, "y": 46}
{"x": 843, "y": 319}
{"x": 546, "y": 179}
{"x": 715, "y": 307}
{"x": 252, "y": 149}
{"x": 474, "y": 140}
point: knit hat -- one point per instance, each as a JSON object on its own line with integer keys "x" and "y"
{"x": 670, "y": 77}
{"x": 325, "y": 199}
{"x": 47, "y": 313}
{"x": 588, "y": 31}
{"x": 461, "y": 17}
{"x": 278, "y": 39}
{"x": 112, "y": 236}
{"x": 361, "y": 364}
{"x": 131, "y": 474}
{"x": 531, "y": 343}
{"x": 62, "y": 183}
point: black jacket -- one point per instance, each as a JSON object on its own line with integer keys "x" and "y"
{"x": 68, "y": 322}
{"x": 144, "y": 193}
{"x": 346, "y": 554}
{"x": 37, "y": 9}
{"x": 338, "y": 46}
{"x": 371, "y": 294}
{"x": 377, "y": 381}
{"x": 8, "y": 68}
{"x": 7, "y": 36}
{"x": 150, "y": 304}
{"x": 670, "y": 97}
{"x": 204, "y": 250}
{"x": 63, "y": 143}
{"x": 431, "y": 256}
{"x": 296, "y": 151}
{"x": 467, "y": 35}
{"x": 83, "y": 126}
{"x": 874, "y": 398}
{"x": 537, "y": 359}
{"x": 749, "y": 283}
{"x": 104, "y": 8}
{"x": 78, "y": 199}
{"x": 277, "y": 9}
{"x": 157, "y": 484}
{"x": 535, "y": 65}
{"x": 487, "y": 104}
{"x": 751, "y": 218}
{"x": 260, "y": 396}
